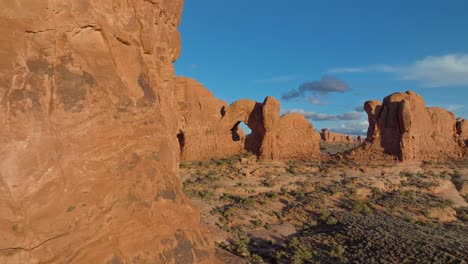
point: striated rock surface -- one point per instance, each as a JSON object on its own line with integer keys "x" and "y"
{"x": 88, "y": 150}
{"x": 402, "y": 126}
{"x": 209, "y": 128}
{"x": 328, "y": 136}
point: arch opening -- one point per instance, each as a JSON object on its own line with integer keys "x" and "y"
{"x": 245, "y": 135}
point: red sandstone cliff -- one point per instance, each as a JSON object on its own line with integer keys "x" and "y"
{"x": 88, "y": 152}
{"x": 402, "y": 126}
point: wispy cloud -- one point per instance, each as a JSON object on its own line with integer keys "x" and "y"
{"x": 328, "y": 84}
{"x": 278, "y": 79}
{"x": 452, "y": 107}
{"x": 353, "y": 128}
{"x": 359, "y": 109}
{"x": 316, "y": 101}
{"x": 328, "y": 117}
{"x": 432, "y": 71}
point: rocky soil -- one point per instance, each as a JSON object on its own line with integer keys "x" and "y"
{"x": 334, "y": 211}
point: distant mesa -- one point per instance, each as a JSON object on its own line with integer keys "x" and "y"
{"x": 332, "y": 137}
{"x": 210, "y": 128}
{"x": 404, "y": 127}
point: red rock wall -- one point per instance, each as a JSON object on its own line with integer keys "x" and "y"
{"x": 201, "y": 131}
{"x": 297, "y": 138}
{"x": 210, "y": 129}
{"x": 402, "y": 126}
{"x": 328, "y": 136}
{"x": 88, "y": 124}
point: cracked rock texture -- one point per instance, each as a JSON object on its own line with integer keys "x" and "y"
{"x": 210, "y": 128}
{"x": 88, "y": 125}
{"x": 402, "y": 126}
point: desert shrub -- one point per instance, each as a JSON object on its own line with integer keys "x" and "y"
{"x": 337, "y": 252}
{"x": 238, "y": 200}
{"x": 258, "y": 223}
{"x": 256, "y": 259}
{"x": 332, "y": 221}
{"x": 408, "y": 174}
{"x": 324, "y": 215}
{"x": 240, "y": 246}
{"x": 361, "y": 206}
{"x": 205, "y": 195}
{"x": 462, "y": 213}
{"x": 268, "y": 182}
{"x": 419, "y": 182}
{"x": 295, "y": 253}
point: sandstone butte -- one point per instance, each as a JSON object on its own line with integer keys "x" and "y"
{"x": 210, "y": 128}
{"x": 88, "y": 152}
{"x": 462, "y": 131}
{"x": 328, "y": 136}
{"x": 404, "y": 127}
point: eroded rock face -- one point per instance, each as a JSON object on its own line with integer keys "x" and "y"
{"x": 297, "y": 138}
{"x": 462, "y": 131}
{"x": 328, "y": 136}
{"x": 201, "y": 134}
{"x": 209, "y": 128}
{"x": 402, "y": 126}
{"x": 88, "y": 151}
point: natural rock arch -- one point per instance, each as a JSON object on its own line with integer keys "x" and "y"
{"x": 212, "y": 128}
{"x": 248, "y": 112}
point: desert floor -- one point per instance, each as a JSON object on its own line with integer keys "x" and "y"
{"x": 336, "y": 210}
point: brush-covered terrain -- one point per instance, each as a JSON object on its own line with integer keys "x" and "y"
{"x": 332, "y": 211}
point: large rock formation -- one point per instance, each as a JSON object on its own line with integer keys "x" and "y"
{"x": 402, "y": 126}
{"x": 462, "y": 131}
{"x": 297, "y": 138}
{"x": 328, "y": 136}
{"x": 200, "y": 133}
{"x": 88, "y": 151}
{"x": 209, "y": 128}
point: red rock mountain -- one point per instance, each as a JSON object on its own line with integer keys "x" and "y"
{"x": 402, "y": 126}
{"x": 88, "y": 146}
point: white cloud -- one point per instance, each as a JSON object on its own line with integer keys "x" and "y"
{"x": 353, "y": 128}
{"x": 327, "y": 117}
{"x": 433, "y": 71}
{"x": 316, "y": 101}
{"x": 452, "y": 107}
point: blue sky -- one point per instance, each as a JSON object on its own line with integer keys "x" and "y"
{"x": 341, "y": 53}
